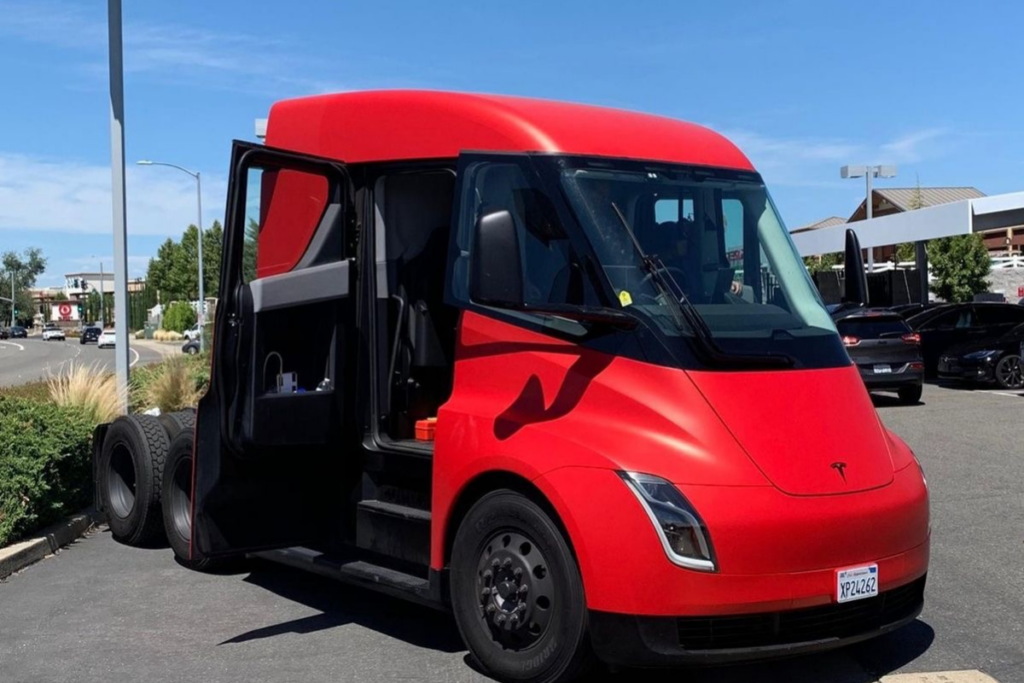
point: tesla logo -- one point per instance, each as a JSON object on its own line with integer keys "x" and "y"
{"x": 839, "y": 467}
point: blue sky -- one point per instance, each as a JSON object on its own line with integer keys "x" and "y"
{"x": 802, "y": 87}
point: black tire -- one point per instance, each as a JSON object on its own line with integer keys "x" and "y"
{"x": 176, "y": 501}
{"x": 1009, "y": 372}
{"x": 548, "y": 641}
{"x": 910, "y": 395}
{"x": 174, "y": 423}
{"x": 130, "y": 470}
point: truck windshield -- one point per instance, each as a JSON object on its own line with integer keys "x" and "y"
{"x": 720, "y": 251}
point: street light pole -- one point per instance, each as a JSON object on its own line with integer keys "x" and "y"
{"x": 199, "y": 224}
{"x": 120, "y": 211}
{"x": 869, "y": 172}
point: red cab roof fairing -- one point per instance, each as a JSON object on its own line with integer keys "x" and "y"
{"x": 392, "y": 125}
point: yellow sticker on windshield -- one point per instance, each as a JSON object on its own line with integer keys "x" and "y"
{"x": 625, "y": 299}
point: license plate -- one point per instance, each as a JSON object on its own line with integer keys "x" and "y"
{"x": 857, "y": 583}
{"x": 883, "y": 369}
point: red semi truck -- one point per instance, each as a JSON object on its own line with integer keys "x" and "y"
{"x": 556, "y": 368}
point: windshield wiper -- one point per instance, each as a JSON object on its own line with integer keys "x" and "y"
{"x": 712, "y": 352}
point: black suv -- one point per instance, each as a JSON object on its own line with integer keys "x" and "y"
{"x": 90, "y": 334}
{"x": 886, "y": 351}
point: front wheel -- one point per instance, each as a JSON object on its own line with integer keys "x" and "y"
{"x": 517, "y": 593}
{"x": 1010, "y": 372}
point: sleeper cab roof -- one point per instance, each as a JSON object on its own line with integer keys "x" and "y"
{"x": 393, "y": 125}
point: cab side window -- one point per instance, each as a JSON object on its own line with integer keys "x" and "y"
{"x": 552, "y": 273}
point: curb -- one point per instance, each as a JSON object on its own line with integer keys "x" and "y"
{"x": 16, "y": 557}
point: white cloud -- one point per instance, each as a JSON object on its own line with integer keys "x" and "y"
{"x": 915, "y": 146}
{"x": 815, "y": 162}
{"x": 227, "y": 60}
{"x": 75, "y": 197}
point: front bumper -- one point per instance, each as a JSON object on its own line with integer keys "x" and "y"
{"x": 965, "y": 370}
{"x": 629, "y": 640}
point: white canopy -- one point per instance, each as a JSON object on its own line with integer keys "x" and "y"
{"x": 944, "y": 220}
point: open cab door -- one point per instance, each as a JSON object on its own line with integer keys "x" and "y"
{"x": 269, "y": 430}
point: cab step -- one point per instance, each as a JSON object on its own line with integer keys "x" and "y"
{"x": 394, "y": 530}
{"x": 360, "y": 572}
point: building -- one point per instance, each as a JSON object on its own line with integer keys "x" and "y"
{"x": 892, "y": 200}
{"x": 77, "y": 287}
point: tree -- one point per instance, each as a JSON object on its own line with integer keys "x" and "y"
{"x": 823, "y": 263}
{"x": 213, "y": 244}
{"x": 27, "y": 267}
{"x": 252, "y": 236}
{"x": 960, "y": 265}
{"x": 60, "y": 296}
{"x": 175, "y": 270}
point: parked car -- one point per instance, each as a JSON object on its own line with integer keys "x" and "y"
{"x": 106, "y": 339}
{"x": 191, "y": 347}
{"x": 193, "y": 332}
{"x": 52, "y": 333}
{"x": 887, "y": 352}
{"x": 90, "y": 334}
{"x": 994, "y": 359}
{"x": 907, "y": 310}
{"x": 18, "y": 332}
{"x": 4, "y": 334}
{"x": 948, "y": 325}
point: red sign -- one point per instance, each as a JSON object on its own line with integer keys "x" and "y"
{"x": 64, "y": 312}
{"x": 1020, "y": 292}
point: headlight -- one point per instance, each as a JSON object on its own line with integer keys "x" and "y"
{"x": 980, "y": 355}
{"x": 682, "y": 533}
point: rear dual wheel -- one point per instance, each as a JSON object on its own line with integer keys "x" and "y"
{"x": 130, "y": 470}
{"x": 517, "y": 593}
{"x": 177, "y": 501}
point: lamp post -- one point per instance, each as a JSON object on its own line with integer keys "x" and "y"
{"x": 868, "y": 172}
{"x": 199, "y": 224}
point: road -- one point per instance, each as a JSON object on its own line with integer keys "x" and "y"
{"x": 28, "y": 360}
{"x": 99, "y": 611}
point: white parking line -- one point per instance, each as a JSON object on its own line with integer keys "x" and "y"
{"x": 8, "y": 343}
{"x": 132, "y": 364}
{"x": 970, "y": 676}
{"x": 996, "y": 392}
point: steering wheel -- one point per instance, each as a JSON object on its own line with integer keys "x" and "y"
{"x": 676, "y": 274}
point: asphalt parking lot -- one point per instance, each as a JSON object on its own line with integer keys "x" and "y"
{"x": 99, "y": 611}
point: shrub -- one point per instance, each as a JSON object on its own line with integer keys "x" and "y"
{"x": 167, "y": 335}
{"x": 179, "y": 316}
{"x": 45, "y": 465}
{"x": 171, "y": 385}
{"x": 84, "y": 388}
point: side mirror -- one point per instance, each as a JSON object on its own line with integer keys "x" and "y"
{"x": 496, "y": 270}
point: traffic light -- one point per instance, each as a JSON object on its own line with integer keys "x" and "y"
{"x": 85, "y": 285}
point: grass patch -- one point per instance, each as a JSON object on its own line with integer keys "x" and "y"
{"x": 84, "y": 388}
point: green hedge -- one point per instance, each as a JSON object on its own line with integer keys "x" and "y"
{"x": 45, "y": 465}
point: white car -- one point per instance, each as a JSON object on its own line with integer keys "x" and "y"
{"x": 192, "y": 333}
{"x": 52, "y": 333}
{"x": 106, "y": 339}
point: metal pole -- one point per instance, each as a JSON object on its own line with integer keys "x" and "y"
{"x": 12, "y": 297}
{"x": 202, "y": 297}
{"x": 120, "y": 222}
{"x": 103, "y": 317}
{"x": 871, "y": 250}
